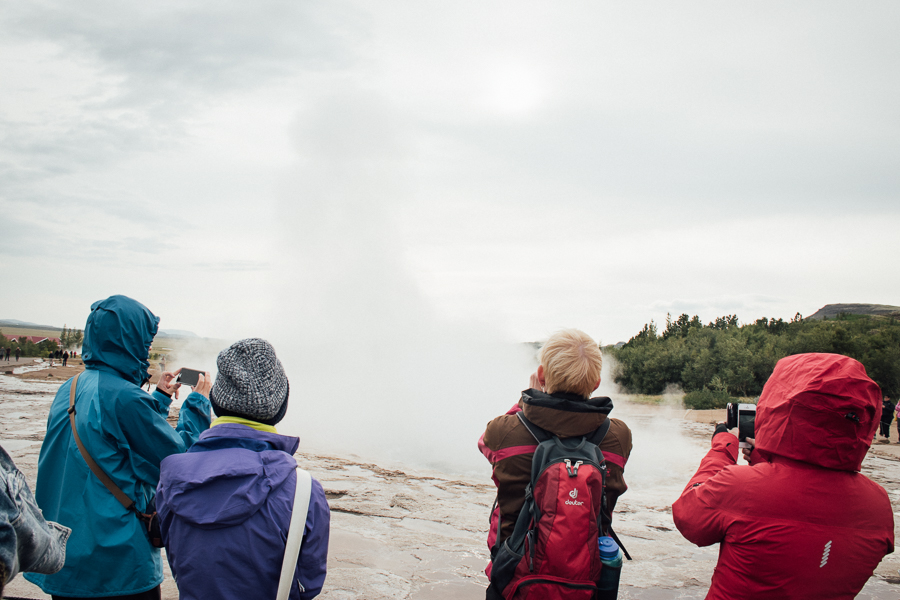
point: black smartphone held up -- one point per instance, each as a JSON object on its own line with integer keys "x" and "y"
{"x": 189, "y": 377}
{"x": 742, "y": 416}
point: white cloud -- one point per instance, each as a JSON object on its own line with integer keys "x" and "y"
{"x": 526, "y": 165}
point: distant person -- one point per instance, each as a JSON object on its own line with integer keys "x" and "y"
{"x": 124, "y": 430}
{"x": 897, "y": 414}
{"x": 7, "y": 353}
{"x": 800, "y": 521}
{"x": 27, "y": 541}
{"x": 225, "y": 505}
{"x": 18, "y": 352}
{"x": 560, "y": 403}
{"x": 887, "y": 416}
{"x": 65, "y": 357}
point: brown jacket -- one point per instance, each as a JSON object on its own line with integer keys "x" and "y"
{"x": 510, "y": 447}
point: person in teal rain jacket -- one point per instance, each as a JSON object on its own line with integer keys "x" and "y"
{"x": 125, "y": 430}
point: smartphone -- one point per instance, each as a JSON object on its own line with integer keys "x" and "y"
{"x": 189, "y": 377}
{"x": 742, "y": 416}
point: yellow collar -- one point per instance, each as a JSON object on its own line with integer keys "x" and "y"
{"x": 242, "y": 421}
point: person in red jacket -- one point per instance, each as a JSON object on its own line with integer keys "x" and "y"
{"x": 800, "y": 521}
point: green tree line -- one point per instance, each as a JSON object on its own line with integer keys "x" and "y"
{"x": 726, "y": 357}
{"x": 70, "y": 338}
{"x": 27, "y": 347}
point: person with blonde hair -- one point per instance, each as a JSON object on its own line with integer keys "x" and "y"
{"x": 559, "y": 402}
{"x": 570, "y": 362}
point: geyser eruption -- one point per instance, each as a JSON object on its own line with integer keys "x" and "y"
{"x": 372, "y": 369}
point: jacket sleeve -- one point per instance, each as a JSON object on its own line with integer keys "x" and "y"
{"x": 616, "y": 449}
{"x": 9, "y": 563}
{"x": 193, "y": 419}
{"x": 487, "y": 443}
{"x": 149, "y": 435}
{"x": 27, "y": 541}
{"x": 311, "y": 563}
{"x": 697, "y": 513}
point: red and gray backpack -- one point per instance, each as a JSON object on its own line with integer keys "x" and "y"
{"x": 552, "y": 553}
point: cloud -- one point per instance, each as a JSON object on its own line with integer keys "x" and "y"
{"x": 129, "y": 78}
{"x": 172, "y": 49}
{"x": 231, "y": 266}
{"x": 710, "y": 307}
{"x": 529, "y": 165}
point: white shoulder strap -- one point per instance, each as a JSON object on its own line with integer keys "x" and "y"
{"x": 295, "y": 533}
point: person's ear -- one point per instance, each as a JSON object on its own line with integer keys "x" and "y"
{"x": 598, "y": 383}
{"x": 540, "y": 374}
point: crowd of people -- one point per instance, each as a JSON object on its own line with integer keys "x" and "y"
{"x": 9, "y": 351}
{"x": 62, "y": 354}
{"x": 239, "y": 519}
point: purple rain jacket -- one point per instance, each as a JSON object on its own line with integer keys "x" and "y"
{"x": 225, "y": 507}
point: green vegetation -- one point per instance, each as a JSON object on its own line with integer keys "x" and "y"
{"x": 706, "y": 399}
{"x": 71, "y": 337}
{"x": 729, "y": 359}
{"x": 645, "y": 399}
{"x": 29, "y": 348}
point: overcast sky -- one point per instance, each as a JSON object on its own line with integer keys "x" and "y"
{"x": 509, "y": 166}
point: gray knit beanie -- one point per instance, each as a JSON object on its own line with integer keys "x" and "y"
{"x": 251, "y": 382}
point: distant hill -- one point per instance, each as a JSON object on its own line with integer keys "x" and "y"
{"x": 833, "y": 310}
{"x": 26, "y": 325}
{"x": 17, "y": 327}
{"x": 176, "y": 333}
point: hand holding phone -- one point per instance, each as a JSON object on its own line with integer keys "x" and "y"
{"x": 200, "y": 381}
{"x": 751, "y": 444}
{"x": 168, "y": 384}
{"x": 204, "y": 385}
{"x": 189, "y": 377}
{"x": 742, "y": 416}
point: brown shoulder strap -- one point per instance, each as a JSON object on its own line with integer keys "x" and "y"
{"x": 127, "y": 502}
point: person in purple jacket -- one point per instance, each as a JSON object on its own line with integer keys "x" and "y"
{"x": 225, "y": 505}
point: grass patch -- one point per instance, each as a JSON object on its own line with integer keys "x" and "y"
{"x": 646, "y": 399}
{"x": 16, "y": 332}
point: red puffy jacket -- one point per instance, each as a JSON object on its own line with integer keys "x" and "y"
{"x": 800, "y": 521}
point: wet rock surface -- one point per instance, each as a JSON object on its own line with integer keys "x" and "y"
{"x": 406, "y": 533}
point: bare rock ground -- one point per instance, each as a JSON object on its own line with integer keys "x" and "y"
{"x": 404, "y": 533}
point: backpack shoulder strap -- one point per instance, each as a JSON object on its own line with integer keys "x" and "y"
{"x": 127, "y": 502}
{"x": 541, "y": 435}
{"x": 302, "y": 494}
{"x": 605, "y": 520}
{"x": 600, "y": 433}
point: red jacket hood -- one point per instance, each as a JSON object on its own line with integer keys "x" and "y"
{"x": 818, "y": 408}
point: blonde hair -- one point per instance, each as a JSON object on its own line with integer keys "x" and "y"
{"x": 572, "y": 363}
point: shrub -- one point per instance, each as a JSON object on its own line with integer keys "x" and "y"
{"x": 706, "y": 399}
{"x": 738, "y": 359}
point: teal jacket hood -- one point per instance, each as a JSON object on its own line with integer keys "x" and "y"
{"x": 118, "y": 335}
